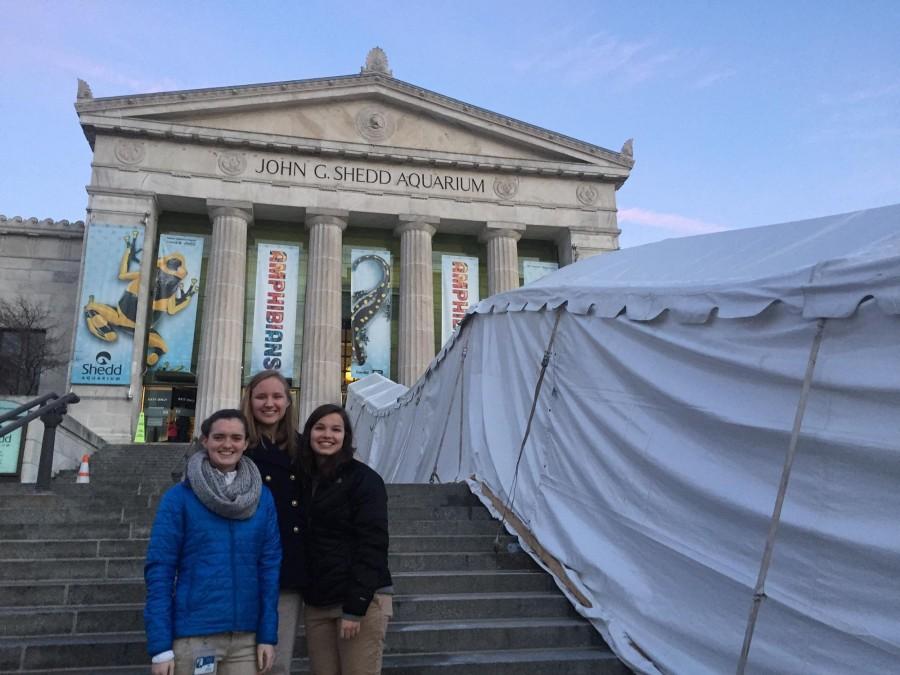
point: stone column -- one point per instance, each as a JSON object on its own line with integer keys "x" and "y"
{"x": 502, "y": 255}
{"x": 112, "y": 411}
{"x": 222, "y": 325}
{"x": 321, "y": 368}
{"x": 416, "y": 335}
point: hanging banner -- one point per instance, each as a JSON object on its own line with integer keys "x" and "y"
{"x": 370, "y": 312}
{"x": 10, "y": 444}
{"x": 459, "y": 290}
{"x": 275, "y": 309}
{"x": 104, "y": 336}
{"x": 176, "y": 279}
{"x": 532, "y": 270}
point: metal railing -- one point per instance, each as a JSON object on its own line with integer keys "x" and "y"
{"x": 50, "y": 408}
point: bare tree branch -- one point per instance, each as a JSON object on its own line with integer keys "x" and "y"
{"x": 29, "y": 345}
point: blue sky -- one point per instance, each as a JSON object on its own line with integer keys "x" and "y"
{"x": 742, "y": 113}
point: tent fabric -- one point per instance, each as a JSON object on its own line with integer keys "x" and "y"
{"x": 659, "y": 439}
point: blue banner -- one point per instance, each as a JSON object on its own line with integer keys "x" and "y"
{"x": 104, "y": 337}
{"x": 176, "y": 279}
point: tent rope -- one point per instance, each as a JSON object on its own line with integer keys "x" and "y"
{"x": 545, "y": 361}
{"x": 759, "y": 592}
{"x": 434, "y": 478}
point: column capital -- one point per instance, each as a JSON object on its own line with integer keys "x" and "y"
{"x": 410, "y": 222}
{"x": 230, "y": 207}
{"x": 317, "y": 216}
{"x": 499, "y": 228}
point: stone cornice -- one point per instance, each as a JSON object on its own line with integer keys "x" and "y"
{"x": 244, "y": 94}
{"x": 46, "y": 227}
{"x": 307, "y": 146}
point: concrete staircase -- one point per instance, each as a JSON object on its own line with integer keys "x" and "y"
{"x": 71, "y": 581}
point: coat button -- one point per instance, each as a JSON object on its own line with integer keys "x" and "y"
{"x": 293, "y": 502}
{"x": 296, "y": 530}
{"x": 293, "y": 477}
{"x": 268, "y": 479}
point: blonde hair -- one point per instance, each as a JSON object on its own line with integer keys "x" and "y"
{"x": 286, "y": 431}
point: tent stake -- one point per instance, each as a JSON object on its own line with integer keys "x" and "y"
{"x": 759, "y": 591}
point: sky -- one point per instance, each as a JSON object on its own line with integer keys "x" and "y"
{"x": 742, "y": 113}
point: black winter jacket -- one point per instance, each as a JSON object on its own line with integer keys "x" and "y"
{"x": 346, "y": 538}
{"x": 282, "y": 477}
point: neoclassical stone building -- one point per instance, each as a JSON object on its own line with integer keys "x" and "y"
{"x": 331, "y": 169}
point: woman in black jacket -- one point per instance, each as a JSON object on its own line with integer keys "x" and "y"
{"x": 274, "y": 449}
{"x": 348, "y": 594}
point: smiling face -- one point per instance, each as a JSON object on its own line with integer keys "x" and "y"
{"x": 268, "y": 405}
{"x": 326, "y": 437}
{"x": 225, "y": 444}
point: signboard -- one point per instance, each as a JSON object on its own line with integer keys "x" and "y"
{"x": 370, "y": 312}
{"x": 176, "y": 280}
{"x": 532, "y": 270}
{"x": 103, "y": 338}
{"x": 275, "y": 311}
{"x": 459, "y": 290}
{"x": 11, "y": 444}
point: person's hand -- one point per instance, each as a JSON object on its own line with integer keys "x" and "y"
{"x": 349, "y": 629}
{"x": 265, "y": 658}
{"x": 164, "y": 668}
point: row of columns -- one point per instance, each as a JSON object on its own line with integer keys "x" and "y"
{"x": 221, "y": 341}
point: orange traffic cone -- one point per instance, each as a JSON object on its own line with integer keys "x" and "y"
{"x": 84, "y": 473}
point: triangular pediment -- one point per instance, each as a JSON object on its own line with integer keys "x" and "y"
{"x": 367, "y": 110}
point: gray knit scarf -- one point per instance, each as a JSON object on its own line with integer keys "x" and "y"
{"x": 237, "y": 501}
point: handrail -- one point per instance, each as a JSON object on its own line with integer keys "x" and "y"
{"x": 51, "y": 408}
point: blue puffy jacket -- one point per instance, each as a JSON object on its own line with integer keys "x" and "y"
{"x": 207, "y": 574}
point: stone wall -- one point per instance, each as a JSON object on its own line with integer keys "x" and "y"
{"x": 41, "y": 259}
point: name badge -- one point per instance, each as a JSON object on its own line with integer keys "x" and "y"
{"x": 205, "y": 665}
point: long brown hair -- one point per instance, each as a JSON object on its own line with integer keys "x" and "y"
{"x": 286, "y": 431}
{"x": 308, "y": 455}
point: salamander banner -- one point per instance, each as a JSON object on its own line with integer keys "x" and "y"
{"x": 104, "y": 336}
{"x": 275, "y": 311}
{"x": 459, "y": 290}
{"x": 176, "y": 279}
{"x": 370, "y": 312}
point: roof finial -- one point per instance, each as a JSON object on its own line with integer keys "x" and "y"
{"x": 376, "y": 62}
{"x": 628, "y": 148}
{"x": 84, "y": 90}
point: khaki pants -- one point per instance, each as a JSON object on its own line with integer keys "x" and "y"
{"x": 235, "y": 653}
{"x": 289, "y": 604}
{"x": 330, "y": 655}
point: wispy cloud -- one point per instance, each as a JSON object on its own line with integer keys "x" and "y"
{"x": 578, "y": 58}
{"x": 671, "y": 222}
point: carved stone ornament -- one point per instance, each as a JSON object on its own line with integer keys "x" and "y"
{"x": 84, "y": 90}
{"x": 587, "y": 194}
{"x": 375, "y": 124}
{"x": 232, "y": 163}
{"x": 130, "y": 152}
{"x": 506, "y": 187}
{"x": 628, "y": 148}
{"x": 376, "y": 62}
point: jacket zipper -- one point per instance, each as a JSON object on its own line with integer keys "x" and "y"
{"x": 234, "y": 579}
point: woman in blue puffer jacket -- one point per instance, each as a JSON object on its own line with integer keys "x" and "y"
{"x": 213, "y": 561}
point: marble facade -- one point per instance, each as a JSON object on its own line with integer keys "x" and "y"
{"x": 330, "y": 155}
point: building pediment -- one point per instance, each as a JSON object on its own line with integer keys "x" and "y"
{"x": 359, "y": 113}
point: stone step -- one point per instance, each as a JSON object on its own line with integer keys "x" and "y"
{"x": 126, "y": 548}
{"x": 123, "y": 591}
{"x": 588, "y": 661}
{"x": 78, "y": 619}
{"x": 128, "y": 648}
{"x": 133, "y": 567}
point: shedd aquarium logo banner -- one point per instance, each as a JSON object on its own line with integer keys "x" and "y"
{"x": 104, "y": 338}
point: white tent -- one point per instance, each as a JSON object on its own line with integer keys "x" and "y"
{"x": 659, "y": 436}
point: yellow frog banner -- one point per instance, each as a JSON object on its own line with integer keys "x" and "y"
{"x": 109, "y": 298}
{"x": 176, "y": 280}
